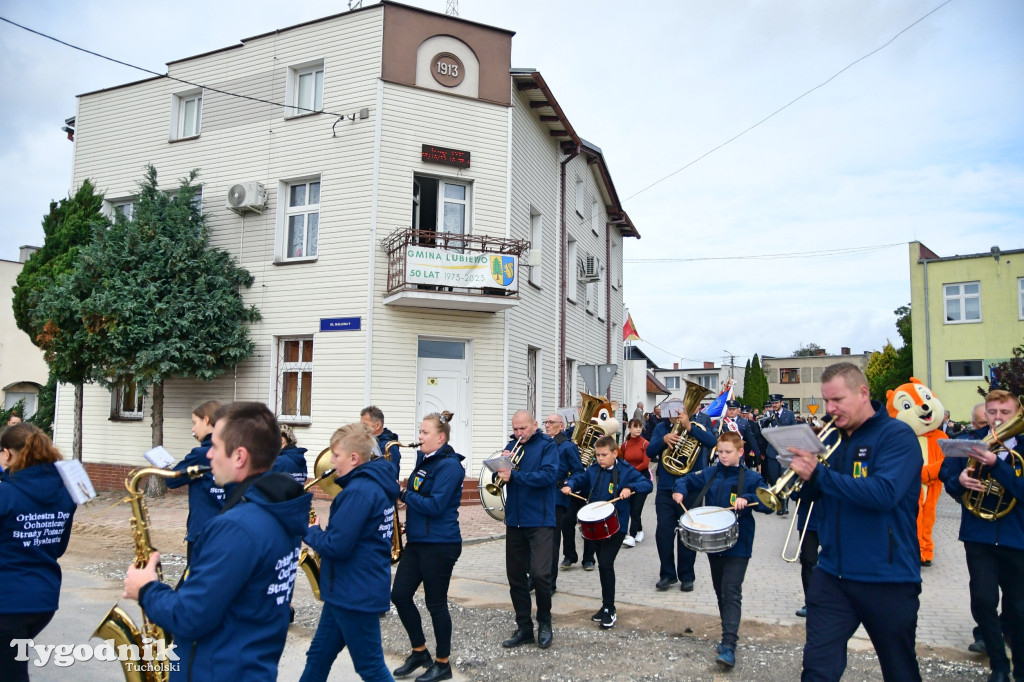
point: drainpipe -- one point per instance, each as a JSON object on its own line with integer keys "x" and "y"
{"x": 608, "y": 297}
{"x": 564, "y": 248}
{"x": 927, "y": 326}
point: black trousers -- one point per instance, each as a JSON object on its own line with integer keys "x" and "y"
{"x": 808, "y": 558}
{"x": 555, "y": 545}
{"x": 607, "y": 550}
{"x": 429, "y": 564}
{"x": 888, "y": 612}
{"x": 19, "y": 626}
{"x": 528, "y": 555}
{"x": 668, "y": 542}
{"x": 992, "y": 567}
{"x": 636, "y": 508}
{"x": 727, "y": 574}
{"x": 567, "y": 526}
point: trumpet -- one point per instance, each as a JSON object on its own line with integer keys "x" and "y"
{"x": 515, "y": 456}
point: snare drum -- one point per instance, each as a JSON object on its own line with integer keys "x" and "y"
{"x": 598, "y": 521}
{"x": 712, "y": 529}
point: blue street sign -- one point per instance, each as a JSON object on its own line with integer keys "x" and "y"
{"x": 340, "y": 324}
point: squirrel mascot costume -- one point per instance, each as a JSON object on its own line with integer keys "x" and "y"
{"x": 915, "y": 404}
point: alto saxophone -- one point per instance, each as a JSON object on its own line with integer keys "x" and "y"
{"x": 117, "y": 624}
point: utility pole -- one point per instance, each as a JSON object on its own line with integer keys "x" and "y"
{"x": 732, "y": 364}
{"x": 452, "y": 9}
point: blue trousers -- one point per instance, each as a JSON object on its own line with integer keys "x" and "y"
{"x": 339, "y": 628}
{"x": 835, "y": 608}
{"x": 667, "y": 540}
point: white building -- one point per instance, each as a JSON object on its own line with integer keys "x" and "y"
{"x": 22, "y": 368}
{"x": 708, "y": 375}
{"x": 377, "y": 155}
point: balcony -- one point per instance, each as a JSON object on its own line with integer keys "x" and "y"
{"x": 428, "y": 269}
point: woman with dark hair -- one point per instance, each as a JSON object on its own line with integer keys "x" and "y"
{"x": 292, "y": 460}
{"x": 35, "y": 525}
{"x": 433, "y": 545}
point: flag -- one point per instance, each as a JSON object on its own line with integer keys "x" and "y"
{"x": 717, "y": 407}
{"x": 629, "y": 330}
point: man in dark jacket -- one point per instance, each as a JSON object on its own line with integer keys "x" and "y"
{"x": 869, "y": 569}
{"x": 229, "y": 617}
{"x": 568, "y": 464}
{"x": 530, "y": 527}
{"x": 387, "y": 442}
{"x": 778, "y": 415}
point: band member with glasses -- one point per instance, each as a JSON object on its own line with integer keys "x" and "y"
{"x": 568, "y": 464}
{"x": 530, "y": 527}
{"x": 433, "y": 545}
{"x": 387, "y": 442}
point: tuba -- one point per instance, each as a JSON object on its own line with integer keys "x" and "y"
{"x": 1003, "y": 502}
{"x": 680, "y": 460}
{"x": 585, "y": 434}
{"x": 117, "y": 624}
{"x": 789, "y": 482}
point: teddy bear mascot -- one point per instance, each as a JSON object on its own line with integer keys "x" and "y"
{"x": 915, "y": 404}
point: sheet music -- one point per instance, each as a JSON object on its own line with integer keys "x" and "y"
{"x": 76, "y": 480}
{"x": 499, "y": 462}
{"x": 159, "y": 457}
{"x": 800, "y": 436}
{"x": 954, "y": 447}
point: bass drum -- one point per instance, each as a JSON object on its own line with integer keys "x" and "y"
{"x": 494, "y": 505}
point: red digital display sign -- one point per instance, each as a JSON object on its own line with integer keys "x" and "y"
{"x": 445, "y": 156}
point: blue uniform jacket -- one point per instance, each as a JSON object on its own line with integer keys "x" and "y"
{"x": 35, "y": 526}
{"x": 656, "y": 448}
{"x": 747, "y": 434}
{"x": 355, "y": 549}
{"x": 1007, "y": 531}
{"x": 530, "y": 492}
{"x": 432, "y": 497}
{"x": 239, "y": 588}
{"x": 205, "y": 498}
{"x": 867, "y": 497}
{"x": 783, "y": 418}
{"x": 387, "y": 441}
{"x": 595, "y": 484}
{"x": 292, "y": 461}
{"x": 723, "y": 487}
{"x": 568, "y": 464}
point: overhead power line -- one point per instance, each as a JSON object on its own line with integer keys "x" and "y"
{"x": 824, "y": 253}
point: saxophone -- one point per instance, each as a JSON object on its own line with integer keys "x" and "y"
{"x": 117, "y": 624}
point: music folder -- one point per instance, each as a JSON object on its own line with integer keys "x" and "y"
{"x": 956, "y": 447}
{"x": 499, "y": 462}
{"x": 800, "y": 436}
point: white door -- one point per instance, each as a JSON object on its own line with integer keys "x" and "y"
{"x": 442, "y": 383}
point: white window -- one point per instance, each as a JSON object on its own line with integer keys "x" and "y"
{"x": 612, "y": 271}
{"x": 570, "y": 289}
{"x": 123, "y": 207}
{"x": 536, "y": 239}
{"x": 126, "y": 400}
{"x": 595, "y": 217}
{"x": 591, "y": 303}
{"x": 305, "y": 88}
{"x": 1020, "y": 298}
{"x": 295, "y": 380}
{"x": 708, "y": 381}
{"x": 671, "y": 383}
{"x": 441, "y": 205}
{"x": 964, "y": 369}
{"x": 12, "y": 398}
{"x": 186, "y": 114}
{"x": 300, "y": 216}
{"x": 962, "y": 302}
{"x": 580, "y": 197}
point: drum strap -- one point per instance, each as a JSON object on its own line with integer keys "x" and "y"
{"x": 739, "y": 486}
{"x": 615, "y": 480}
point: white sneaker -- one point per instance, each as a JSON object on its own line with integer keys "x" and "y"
{"x": 629, "y": 541}
{"x": 640, "y": 536}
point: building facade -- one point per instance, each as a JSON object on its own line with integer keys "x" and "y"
{"x": 22, "y": 368}
{"x": 967, "y": 314}
{"x": 709, "y": 376}
{"x": 426, "y": 229}
{"x": 798, "y": 379}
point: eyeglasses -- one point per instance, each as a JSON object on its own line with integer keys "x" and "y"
{"x": 551, "y": 421}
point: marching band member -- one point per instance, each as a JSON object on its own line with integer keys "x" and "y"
{"x": 675, "y": 570}
{"x": 869, "y": 569}
{"x": 387, "y": 442}
{"x": 30, "y": 487}
{"x": 729, "y": 484}
{"x": 530, "y": 528}
{"x": 433, "y": 545}
{"x": 292, "y": 460}
{"x": 778, "y": 415}
{"x": 995, "y": 548}
{"x": 238, "y": 591}
{"x": 732, "y": 421}
{"x": 568, "y": 464}
{"x": 609, "y": 478}
{"x": 752, "y": 461}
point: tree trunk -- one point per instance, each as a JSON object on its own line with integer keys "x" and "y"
{"x": 76, "y": 439}
{"x": 156, "y": 486}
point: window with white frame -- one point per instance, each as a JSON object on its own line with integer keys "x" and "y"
{"x": 536, "y": 237}
{"x": 570, "y": 289}
{"x": 595, "y": 217}
{"x": 962, "y": 302}
{"x": 295, "y": 380}
{"x": 122, "y": 207}
{"x": 126, "y": 400}
{"x": 581, "y": 197}
{"x": 186, "y": 114}
{"x": 964, "y": 369}
{"x": 301, "y": 219}
{"x": 441, "y": 205}
{"x": 672, "y": 383}
{"x": 612, "y": 271}
{"x": 304, "y": 90}
{"x": 708, "y": 381}
{"x": 1020, "y": 298}
{"x": 602, "y": 296}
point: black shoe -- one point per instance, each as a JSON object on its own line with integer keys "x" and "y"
{"x": 553, "y": 588}
{"x": 608, "y": 618}
{"x": 926, "y": 562}
{"x": 588, "y": 565}
{"x": 520, "y": 636}
{"x": 566, "y": 563}
{"x": 529, "y": 584}
{"x": 438, "y": 671}
{"x": 999, "y": 676}
{"x": 544, "y": 635}
{"x": 291, "y": 614}
{"x": 597, "y": 616}
{"x": 417, "y": 659}
{"x": 686, "y": 586}
{"x": 666, "y": 583}
{"x": 978, "y": 647}
{"x": 802, "y": 612}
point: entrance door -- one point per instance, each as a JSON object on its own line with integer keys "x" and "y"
{"x": 442, "y": 383}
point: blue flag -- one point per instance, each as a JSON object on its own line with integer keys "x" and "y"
{"x": 717, "y": 407}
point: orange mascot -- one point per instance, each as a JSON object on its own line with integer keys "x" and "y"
{"x": 915, "y": 404}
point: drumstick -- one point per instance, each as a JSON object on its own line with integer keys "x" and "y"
{"x": 688, "y": 514}
{"x": 578, "y": 497}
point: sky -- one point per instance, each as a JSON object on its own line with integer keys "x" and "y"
{"x": 793, "y": 233}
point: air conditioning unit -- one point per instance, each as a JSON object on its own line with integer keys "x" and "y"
{"x": 247, "y": 196}
{"x": 590, "y": 269}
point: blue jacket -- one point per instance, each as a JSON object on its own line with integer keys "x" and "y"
{"x": 724, "y": 485}
{"x": 432, "y": 497}
{"x": 292, "y": 461}
{"x": 530, "y": 492}
{"x": 747, "y": 434}
{"x": 355, "y": 549}
{"x": 596, "y": 484}
{"x": 867, "y": 496}
{"x": 783, "y": 418}
{"x": 35, "y": 525}
{"x": 802, "y": 510}
{"x": 387, "y": 441}
{"x": 705, "y": 436}
{"x": 205, "y": 498}
{"x": 568, "y": 464}
{"x": 239, "y": 587}
{"x": 1007, "y": 531}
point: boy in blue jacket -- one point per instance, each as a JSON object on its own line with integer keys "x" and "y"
{"x": 729, "y": 484}
{"x": 609, "y": 478}
{"x": 355, "y": 554}
{"x": 229, "y": 617}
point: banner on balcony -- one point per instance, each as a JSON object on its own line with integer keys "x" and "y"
{"x": 454, "y": 269}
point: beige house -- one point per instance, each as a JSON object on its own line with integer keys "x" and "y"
{"x": 426, "y": 229}
{"x": 798, "y": 379}
{"x": 22, "y": 369}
